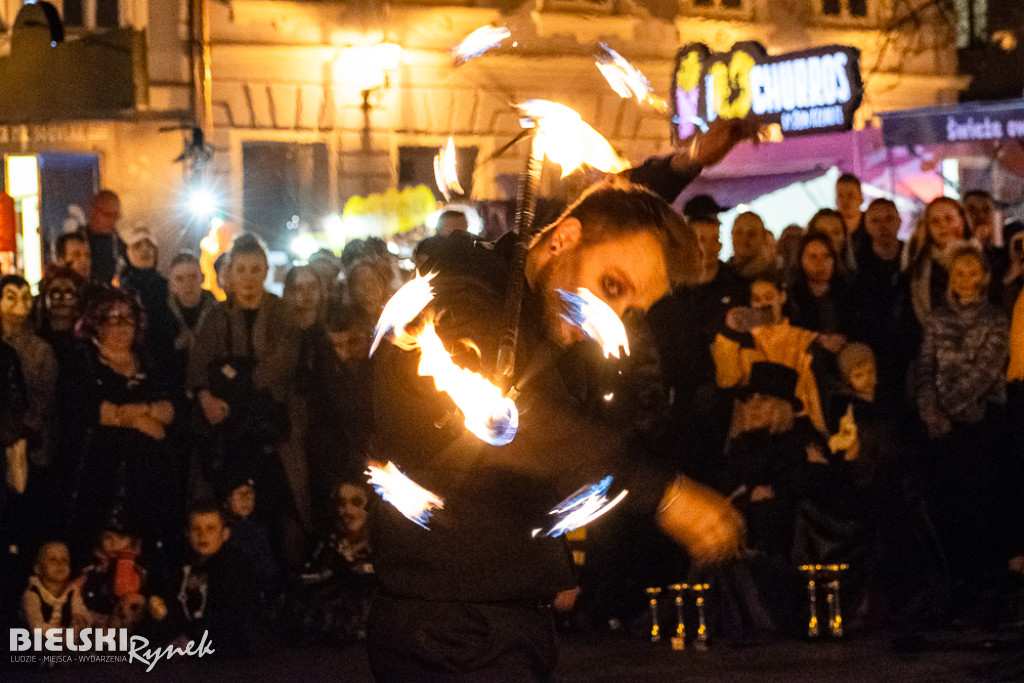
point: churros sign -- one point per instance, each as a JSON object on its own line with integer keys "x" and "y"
{"x": 806, "y": 92}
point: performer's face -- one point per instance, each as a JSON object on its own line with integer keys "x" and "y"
{"x": 626, "y": 271}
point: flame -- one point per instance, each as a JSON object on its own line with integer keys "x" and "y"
{"x": 626, "y": 80}
{"x": 405, "y": 305}
{"x": 479, "y": 42}
{"x": 216, "y": 242}
{"x": 596, "y": 319}
{"x": 445, "y": 172}
{"x": 412, "y": 500}
{"x": 581, "y": 508}
{"x": 489, "y": 414}
{"x": 567, "y": 140}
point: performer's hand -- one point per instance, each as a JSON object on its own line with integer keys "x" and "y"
{"x": 709, "y": 148}
{"x": 702, "y": 520}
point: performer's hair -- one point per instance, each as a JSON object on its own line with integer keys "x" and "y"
{"x": 616, "y": 207}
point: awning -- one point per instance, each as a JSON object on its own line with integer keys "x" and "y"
{"x": 967, "y": 122}
{"x": 750, "y": 171}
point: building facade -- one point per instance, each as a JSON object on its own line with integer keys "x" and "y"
{"x": 305, "y": 113}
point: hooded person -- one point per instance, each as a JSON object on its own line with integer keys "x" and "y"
{"x": 140, "y": 276}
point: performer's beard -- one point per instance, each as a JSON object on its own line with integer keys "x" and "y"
{"x": 559, "y": 273}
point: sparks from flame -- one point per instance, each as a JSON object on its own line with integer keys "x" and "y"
{"x": 446, "y": 173}
{"x": 567, "y": 140}
{"x": 596, "y": 319}
{"x": 489, "y": 414}
{"x": 409, "y": 498}
{"x": 581, "y": 508}
{"x": 626, "y": 80}
{"x": 478, "y": 42}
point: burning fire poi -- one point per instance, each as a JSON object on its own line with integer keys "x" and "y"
{"x": 567, "y": 140}
{"x": 626, "y": 80}
{"x": 489, "y": 414}
{"x": 479, "y": 42}
{"x": 446, "y": 173}
{"x": 581, "y": 508}
{"x": 409, "y": 498}
{"x": 596, "y": 319}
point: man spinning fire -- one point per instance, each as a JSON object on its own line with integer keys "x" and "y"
{"x": 468, "y": 598}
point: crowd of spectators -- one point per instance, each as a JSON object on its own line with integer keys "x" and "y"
{"x": 174, "y": 463}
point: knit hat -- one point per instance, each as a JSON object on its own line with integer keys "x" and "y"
{"x": 229, "y": 481}
{"x": 853, "y": 356}
{"x": 772, "y": 379}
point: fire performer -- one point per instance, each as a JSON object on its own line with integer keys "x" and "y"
{"x": 469, "y": 598}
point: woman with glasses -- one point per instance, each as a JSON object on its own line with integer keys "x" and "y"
{"x": 127, "y": 468}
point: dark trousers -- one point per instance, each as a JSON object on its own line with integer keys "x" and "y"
{"x": 459, "y": 642}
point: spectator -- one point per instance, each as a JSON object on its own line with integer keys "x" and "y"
{"x": 684, "y": 325}
{"x": 943, "y": 223}
{"x": 115, "y": 585}
{"x": 52, "y": 600}
{"x": 960, "y": 394}
{"x": 241, "y": 366}
{"x": 789, "y": 243}
{"x": 188, "y": 301}
{"x": 216, "y": 594}
{"x": 39, "y": 370}
{"x": 1012, "y": 282}
{"x": 983, "y": 218}
{"x": 818, "y": 299}
{"x": 105, "y": 246}
{"x": 762, "y": 333}
{"x": 127, "y": 463}
{"x": 249, "y": 535}
{"x": 762, "y": 464}
{"x": 849, "y": 198}
{"x": 830, "y": 223}
{"x": 876, "y": 293}
{"x": 338, "y": 577}
{"x": 752, "y": 253}
{"x": 71, "y": 250}
{"x": 140, "y": 276}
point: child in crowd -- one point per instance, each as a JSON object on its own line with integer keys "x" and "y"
{"x": 52, "y": 600}
{"x": 762, "y": 472}
{"x": 114, "y": 585}
{"x": 216, "y": 594}
{"x": 249, "y": 535}
{"x": 338, "y": 578}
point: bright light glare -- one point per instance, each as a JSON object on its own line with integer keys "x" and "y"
{"x": 202, "y": 202}
{"x": 305, "y": 246}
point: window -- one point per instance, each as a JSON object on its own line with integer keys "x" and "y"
{"x": 91, "y": 14}
{"x": 281, "y": 180}
{"x": 850, "y": 8}
{"x": 718, "y": 4}
{"x": 416, "y": 167}
{"x": 971, "y": 22}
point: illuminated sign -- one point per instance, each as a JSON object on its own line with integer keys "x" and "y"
{"x": 806, "y": 92}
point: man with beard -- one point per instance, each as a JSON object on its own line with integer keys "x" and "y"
{"x": 470, "y": 598}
